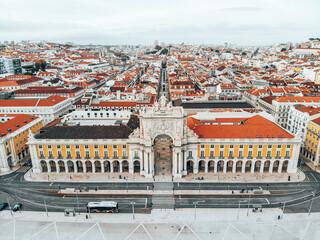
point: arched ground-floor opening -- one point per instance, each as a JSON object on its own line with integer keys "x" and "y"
{"x": 266, "y": 166}
{"x": 53, "y": 166}
{"x": 107, "y": 167}
{"x": 70, "y": 166}
{"x": 275, "y": 166}
{"x": 285, "y": 166}
{"x": 163, "y": 155}
{"x": 116, "y": 166}
{"x": 125, "y": 166}
{"x": 190, "y": 166}
{"x": 239, "y": 166}
{"x": 44, "y": 167}
{"x": 88, "y": 166}
{"x": 248, "y": 166}
{"x": 79, "y": 166}
{"x": 229, "y": 166}
{"x": 202, "y": 166}
{"x": 62, "y": 167}
{"x": 97, "y": 166}
{"x": 220, "y": 166}
{"x": 136, "y": 166}
{"x": 211, "y": 166}
{"x": 257, "y": 166}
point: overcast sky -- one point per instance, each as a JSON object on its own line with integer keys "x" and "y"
{"x": 244, "y": 22}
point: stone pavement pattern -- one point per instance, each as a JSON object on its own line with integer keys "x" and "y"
{"x": 169, "y": 224}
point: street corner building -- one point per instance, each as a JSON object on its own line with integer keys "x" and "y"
{"x": 14, "y": 131}
{"x": 164, "y": 140}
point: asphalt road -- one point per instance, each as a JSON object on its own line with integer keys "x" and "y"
{"x": 298, "y": 197}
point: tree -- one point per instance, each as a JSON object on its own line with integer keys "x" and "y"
{"x": 41, "y": 64}
{"x": 157, "y": 47}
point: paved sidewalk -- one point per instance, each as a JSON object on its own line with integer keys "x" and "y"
{"x": 15, "y": 168}
{"x": 126, "y": 177}
{"x": 183, "y": 224}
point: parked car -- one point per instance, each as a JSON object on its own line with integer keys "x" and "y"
{"x": 17, "y": 207}
{"x": 3, "y": 206}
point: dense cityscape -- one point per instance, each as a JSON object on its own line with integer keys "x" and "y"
{"x": 136, "y": 129}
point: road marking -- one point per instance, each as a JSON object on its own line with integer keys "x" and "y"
{"x": 50, "y": 184}
{"x": 267, "y": 201}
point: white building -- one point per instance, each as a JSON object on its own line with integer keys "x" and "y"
{"x": 164, "y": 142}
{"x": 49, "y": 108}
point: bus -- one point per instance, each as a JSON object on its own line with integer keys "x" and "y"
{"x": 103, "y": 206}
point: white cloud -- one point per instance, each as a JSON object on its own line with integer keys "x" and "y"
{"x": 143, "y": 21}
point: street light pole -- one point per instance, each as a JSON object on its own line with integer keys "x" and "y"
{"x": 249, "y": 204}
{"x": 9, "y": 206}
{"x": 195, "y": 208}
{"x": 133, "y": 203}
{"x": 78, "y": 202}
{"x": 239, "y": 208}
{"x": 45, "y": 205}
{"x": 284, "y": 205}
{"x": 313, "y": 195}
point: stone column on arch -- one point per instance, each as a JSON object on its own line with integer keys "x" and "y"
{"x": 253, "y": 166}
{"x": 234, "y": 166}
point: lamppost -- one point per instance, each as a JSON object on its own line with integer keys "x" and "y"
{"x": 195, "y": 208}
{"x": 133, "y": 203}
{"x": 313, "y": 195}
{"x": 284, "y": 205}
{"x": 78, "y": 202}
{"x": 239, "y": 208}
{"x": 248, "y": 203}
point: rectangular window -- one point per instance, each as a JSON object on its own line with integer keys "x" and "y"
{"x": 211, "y": 154}
{"x": 115, "y": 146}
{"x": 49, "y": 146}
{"x": 221, "y": 154}
{"x": 95, "y": 146}
{"x": 278, "y": 154}
{"x": 96, "y": 154}
{"x": 230, "y": 154}
{"x": 240, "y": 154}
{"x": 231, "y": 146}
{"x": 260, "y": 146}
{"x": 279, "y": 146}
{"x": 241, "y": 146}
{"x": 288, "y": 146}
{"x": 136, "y": 154}
{"x": 190, "y": 154}
{"x": 124, "y": 146}
{"x": 221, "y": 146}
{"x": 124, "y": 154}
{"x": 78, "y": 154}
{"x": 106, "y": 154}
{"x": 269, "y": 146}
{"x": 250, "y": 146}
{"x": 87, "y": 155}
{"x": 202, "y": 154}
{"x": 105, "y": 146}
{"x": 40, "y": 146}
{"x": 58, "y": 146}
{"x": 77, "y": 146}
{"x": 115, "y": 154}
{"x": 68, "y": 146}
{"x": 202, "y": 146}
{"x": 259, "y": 154}
{"x": 211, "y": 146}
{"x": 86, "y": 146}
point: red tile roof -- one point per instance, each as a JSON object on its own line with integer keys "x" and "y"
{"x": 43, "y": 102}
{"x": 254, "y": 127}
{"x": 17, "y": 121}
